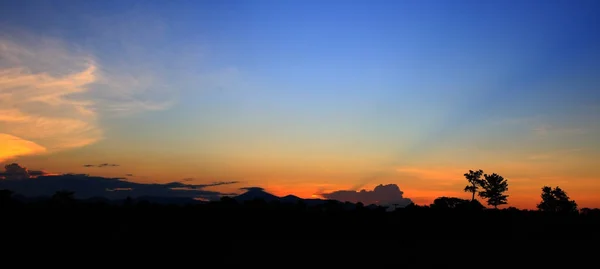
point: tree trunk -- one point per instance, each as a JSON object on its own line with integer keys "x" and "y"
{"x": 473, "y": 198}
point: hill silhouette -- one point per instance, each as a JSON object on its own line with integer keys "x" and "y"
{"x": 34, "y": 185}
{"x": 259, "y": 194}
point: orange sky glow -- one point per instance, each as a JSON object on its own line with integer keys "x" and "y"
{"x": 300, "y": 102}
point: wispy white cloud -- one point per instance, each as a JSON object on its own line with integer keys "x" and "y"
{"x": 514, "y": 121}
{"x": 544, "y": 130}
{"x": 125, "y": 93}
{"x": 140, "y": 61}
{"x": 554, "y": 154}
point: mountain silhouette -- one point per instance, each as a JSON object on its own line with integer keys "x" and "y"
{"x": 256, "y": 193}
{"x": 292, "y": 199}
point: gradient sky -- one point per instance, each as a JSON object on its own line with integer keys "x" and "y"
{"x": 306, "y": 97}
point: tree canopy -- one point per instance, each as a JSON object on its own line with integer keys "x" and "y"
{"x": 556, "y": 200}
{"x": 494, "y": 186}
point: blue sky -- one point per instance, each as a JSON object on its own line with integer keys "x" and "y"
{"x": 268, "y": 89}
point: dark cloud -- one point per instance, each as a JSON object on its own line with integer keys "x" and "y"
{"x": 19, "y": 180}
{"x": 252, "y": 189}
{"x": 381, "y": 195}
{"x": 14, "y": 171}
{"x": 101, "y": 165}
{"x": 36, "y": 173}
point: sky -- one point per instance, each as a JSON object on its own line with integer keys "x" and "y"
{"x": 307, "y": 97}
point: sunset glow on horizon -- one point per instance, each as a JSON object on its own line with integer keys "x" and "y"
{"x": 307, "y": 97}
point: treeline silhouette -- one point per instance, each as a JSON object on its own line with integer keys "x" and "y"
{"x": 62, "y": 217}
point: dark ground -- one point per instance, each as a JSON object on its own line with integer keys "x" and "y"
{"x": 159, "y": 223}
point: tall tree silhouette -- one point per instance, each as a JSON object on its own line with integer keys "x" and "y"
{"x": 474, "y": 178}
{"x": 494, "y": 186}
{"x": 556, "y": 200}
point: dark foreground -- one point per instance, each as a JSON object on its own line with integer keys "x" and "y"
{"x": 138, "y": 223}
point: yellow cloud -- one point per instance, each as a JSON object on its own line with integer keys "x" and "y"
{"x": 41, "y": 106}
{"x": 12, "y": 146}
{"x": 52, "y": 93}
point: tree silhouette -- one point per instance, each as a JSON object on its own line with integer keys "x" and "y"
{"x": 128, "y": 201}
{"x": 556, "y": 200}
{"x": 448, "y": 202}
{"x": 494, "y": 186}
{"x": 445, "y": 203}
{"x": 63, "y": 197}
{"x": 474, "y": 178}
